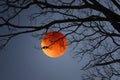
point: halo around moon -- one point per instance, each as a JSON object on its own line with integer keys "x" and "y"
{"x": 54, "y": 44}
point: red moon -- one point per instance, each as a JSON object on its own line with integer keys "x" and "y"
{"x": 54, "y": 44}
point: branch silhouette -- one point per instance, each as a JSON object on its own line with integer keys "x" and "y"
{"x": 93, "y": 28}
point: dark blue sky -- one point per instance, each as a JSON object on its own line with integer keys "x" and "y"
{"x": 21, "y": 61}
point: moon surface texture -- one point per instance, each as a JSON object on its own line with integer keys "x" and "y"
{"x": 54, "y": 44}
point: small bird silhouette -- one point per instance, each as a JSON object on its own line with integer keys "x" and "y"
{"x": 44, "y": 47}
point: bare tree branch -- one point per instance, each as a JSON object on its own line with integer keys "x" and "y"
{"x": 93, "y": 29}
{"x": 110, "y": 62}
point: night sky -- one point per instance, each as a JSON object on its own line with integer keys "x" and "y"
{"x": 21, "y": 61}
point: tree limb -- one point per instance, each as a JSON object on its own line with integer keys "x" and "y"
{"x": 107, "y": 63}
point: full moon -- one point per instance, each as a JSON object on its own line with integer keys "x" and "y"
{"x": 54, "y": 44}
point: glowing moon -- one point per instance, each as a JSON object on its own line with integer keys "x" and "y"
{"x": 54, "y": 44}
